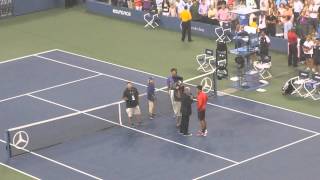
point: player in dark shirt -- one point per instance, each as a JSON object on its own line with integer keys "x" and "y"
{"x": 131, "y": 96}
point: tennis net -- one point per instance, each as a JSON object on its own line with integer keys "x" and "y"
{"x": 43, "y": 134}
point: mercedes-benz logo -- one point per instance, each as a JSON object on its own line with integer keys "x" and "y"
{"x": 20, "y": 140}
{"x": 206, "y": 84}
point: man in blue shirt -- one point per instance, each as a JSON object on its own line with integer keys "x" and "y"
{"x": 172, "y": 82}
{"x": 151, "y": 97}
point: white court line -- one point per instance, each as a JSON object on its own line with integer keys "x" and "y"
{"x": 120, "y": 114}
{"x": 19, "y": 171}
{"x": 52, "y": 87}
{"x": 263, "y": 118}
{"x": 155, "y": 136}
{"x": 86, "y": 69}
{"x": 23, "y": 57}
{"x": 239, "y": 97}
{"x": 59, "y": 163}
{"x": 256, "y": 157}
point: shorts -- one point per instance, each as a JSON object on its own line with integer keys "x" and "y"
{"x": 151, "y": 105}
{"x": 307, "y": 56}
{"x": 201, "y": 115}
{"x": 133, "y": 111}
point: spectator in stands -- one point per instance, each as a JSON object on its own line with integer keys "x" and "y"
{"x": 287, "y": 26}
{"x": 297, "y": 9}
{"x": 223, "y": 14}
{"x": 194, "y": 9}
{"x": 189, "y": 4}
{"x": 279, "y": 29}
{"x": 254, "y": 23}
{"x": 282, "y": 12}
{"x": 114, "y": 2}
{"x": 138, "y": 5}
{"x": 313, "y": 14}
{"x": 130, "y": 4}
{"x": 203, "y": 10}
{"x": 180, "y": 4}
{"x": 165, "y": 8}
{"x": 264, "y": 5}
{"x": 262, "y": 25}
{"x": 241, "y": 4}
{"x": 317, "y": 56}
{"x": 159, "y": 5}
{"x": 303, "y": 23}
{"x": 308, "y": 46}
{"x": 264, "y": 43}
{"x": 173, "y": 10}
{"x": 293, "y": 48}
{"x": 271, "y": 23}
{"x": 146, "y": 5}
{"x": 212, "y": 15}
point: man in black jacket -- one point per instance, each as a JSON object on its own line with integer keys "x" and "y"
{"x": 186, "y": 111}
{"x": 131, "y": 97}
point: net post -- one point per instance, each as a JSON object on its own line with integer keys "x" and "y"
{"x": 8, "y": 145}
{"x": 214, "y": 78}
{"x": 120, "y": 114}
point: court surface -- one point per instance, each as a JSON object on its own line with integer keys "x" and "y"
{"x": 57, "y": 94}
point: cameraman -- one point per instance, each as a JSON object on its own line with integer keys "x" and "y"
{"x": 264, "y": 42}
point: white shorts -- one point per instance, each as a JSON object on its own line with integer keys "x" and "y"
{"x": 133, "y": 111}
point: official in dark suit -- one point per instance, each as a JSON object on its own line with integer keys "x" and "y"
{"x": 186, "y": 111}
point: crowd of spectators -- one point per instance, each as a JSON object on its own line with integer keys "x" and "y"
{"x": 276, "y": 17}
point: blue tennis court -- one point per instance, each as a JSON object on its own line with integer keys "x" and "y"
{"x": 70, "y": 108}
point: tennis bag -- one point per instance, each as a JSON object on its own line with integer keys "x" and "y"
{"x": 287, "y": 88}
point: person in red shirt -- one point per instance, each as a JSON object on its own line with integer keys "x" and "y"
{"x": 202, "y": 99}
{"x": 293, "y": 49}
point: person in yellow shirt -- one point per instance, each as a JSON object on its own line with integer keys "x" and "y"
{"x": 186, "y": 18}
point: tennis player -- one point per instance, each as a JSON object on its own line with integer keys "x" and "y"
{"x": 202, "y": 99}
{"x": 172, "y": 82}
{"x": 131, "y": 96}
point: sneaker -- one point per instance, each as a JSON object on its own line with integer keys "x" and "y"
{"x": 189, "y": 134}
{"x": 205, "y": 133}
{"x": 199, "y": 133}
{"x": 151, "y": 117}
{"x": 307, "y": 69}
